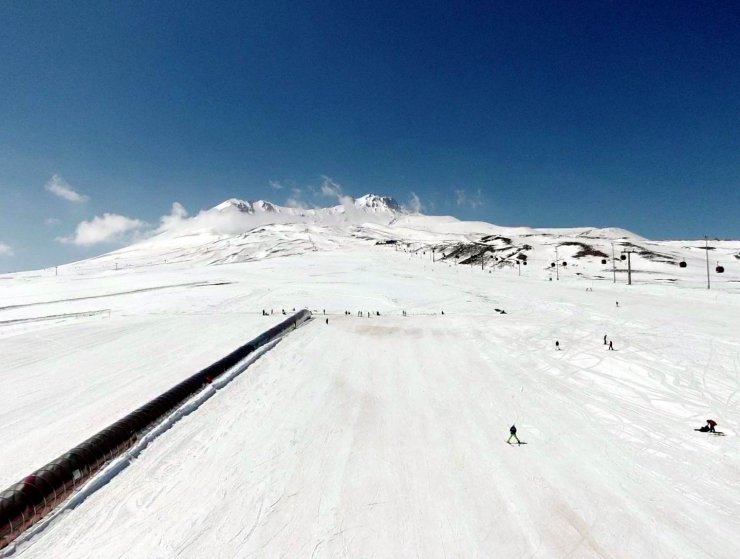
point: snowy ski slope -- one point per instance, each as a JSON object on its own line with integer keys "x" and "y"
{"x": 383, "y": 436}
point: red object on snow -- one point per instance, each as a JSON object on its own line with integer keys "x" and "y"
{"x": 712, "y": 422}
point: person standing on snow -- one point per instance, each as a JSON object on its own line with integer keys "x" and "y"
{"x": 611, "y": 346}
{"x": 512, "y": 430}
{"x": 557, "y": 345}
{"x": 604, "y": 339}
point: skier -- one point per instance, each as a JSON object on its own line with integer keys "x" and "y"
{"x": 604, "y": 339}
{"x": 617, "y": 303}
{"x": 557, "y": 345}
{"x": 611, "y": 347}
{"x": 512, "y": 430}
{"x": 327, "y": 321}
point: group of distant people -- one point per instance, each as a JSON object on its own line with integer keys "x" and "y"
{"x": 610, "y": 344}
{"x": 272, "y": 311}
{"x": 367, "y": 314}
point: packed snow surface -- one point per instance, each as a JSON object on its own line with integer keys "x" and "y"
{"x": 381, "y": 436}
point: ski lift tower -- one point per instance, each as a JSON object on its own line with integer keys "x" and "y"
{"x": 557, "y": 265}
{"x": 628, "y": 252}
{"x": 706, "y": 248}
{"x": 614, "y": 266}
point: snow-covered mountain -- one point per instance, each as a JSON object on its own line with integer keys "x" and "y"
{"x": 367, "y": 204}
{"x": 242, "y": 231}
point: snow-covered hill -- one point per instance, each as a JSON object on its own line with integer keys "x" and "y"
{"x": 380, "y": 435}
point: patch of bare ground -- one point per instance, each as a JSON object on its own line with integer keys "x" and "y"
{"x": 585, "y": 250}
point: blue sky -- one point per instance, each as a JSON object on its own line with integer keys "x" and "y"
{"x": 517, "y": 113}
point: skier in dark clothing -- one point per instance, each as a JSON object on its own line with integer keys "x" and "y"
{"x": 604, "y": 339}
{"x": 327, "y": 321}
{"x": 512, "y": 430}
{"x": 557, "y": 345}
{"x": 709, "y": 427}
{"x": 611, "y": 347}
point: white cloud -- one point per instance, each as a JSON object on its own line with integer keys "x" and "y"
{"x": 295, "y": 200}
{"x": 276, "y": 185}
{"x": 464, "y": 199}
{"x": 333, "y": 189}
{"x": 6, "y": 250}
{"x": 106, "y": 229}
{"x": 330, "y": 188}
{"x": 52, "y": 221}
{"x": 296, "y": 203}
{"x": 177, "y": 214}
{"x": 59, "y": 187}
{"x": 415, "y": 204}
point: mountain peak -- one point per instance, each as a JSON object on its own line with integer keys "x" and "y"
{"x": 246, "y": 206}
{"x": 370, "y": 203}
{"x": 377, "y": 203}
